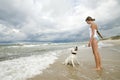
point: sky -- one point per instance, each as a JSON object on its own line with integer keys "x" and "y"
{"x": 56, "y": 20}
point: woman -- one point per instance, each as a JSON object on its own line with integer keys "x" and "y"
{"x": 94, "y": 41}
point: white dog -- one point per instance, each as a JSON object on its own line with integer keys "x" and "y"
{"x": 72, "y": 59}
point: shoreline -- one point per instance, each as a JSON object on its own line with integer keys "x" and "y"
{"x": 85, "y": 71}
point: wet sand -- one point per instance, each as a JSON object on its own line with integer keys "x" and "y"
{"x": 110, "y": 56}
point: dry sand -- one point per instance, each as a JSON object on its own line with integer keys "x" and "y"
{"x": 85, "y": 71}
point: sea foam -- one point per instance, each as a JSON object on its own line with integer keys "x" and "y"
{"x": 25, "y": 67}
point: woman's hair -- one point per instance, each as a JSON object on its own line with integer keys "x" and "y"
{"x": 89, "y": 19}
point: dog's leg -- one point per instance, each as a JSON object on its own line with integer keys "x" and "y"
{"x": 67, "y": 61}
{"x": 77, "y": 62}
{"x": 72, "y": 63}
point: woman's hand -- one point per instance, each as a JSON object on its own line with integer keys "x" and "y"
{"x": 89, "y": 44}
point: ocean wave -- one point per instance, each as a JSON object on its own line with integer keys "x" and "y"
{"x": 25, "y": 67}
{"x": 100, "y": 44}
{"x": 31, "y": 45}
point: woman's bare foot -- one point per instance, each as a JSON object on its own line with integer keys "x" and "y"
{"x": 99, "y": 68}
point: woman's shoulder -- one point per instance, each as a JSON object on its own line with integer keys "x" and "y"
{"x": 94, "y": 26}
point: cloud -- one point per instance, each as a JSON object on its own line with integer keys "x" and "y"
{"x": 10, "y": 34}
{"x": 55, "y": 20}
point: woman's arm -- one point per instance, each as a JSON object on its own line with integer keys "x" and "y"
{"x": 99, "y": 34}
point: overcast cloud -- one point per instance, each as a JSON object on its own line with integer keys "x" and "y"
{"x": 56, "y": 20}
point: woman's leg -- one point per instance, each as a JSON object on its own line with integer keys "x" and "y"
{"x": 96, "y": 54}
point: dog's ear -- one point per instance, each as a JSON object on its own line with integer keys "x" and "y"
{"x": 76, "y": 48}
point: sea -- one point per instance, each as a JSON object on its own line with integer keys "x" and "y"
{"x": 19, "y": 61}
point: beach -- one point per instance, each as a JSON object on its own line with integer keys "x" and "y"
{"x": 44, "y": 61}
{"x": 110, "y": 57}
